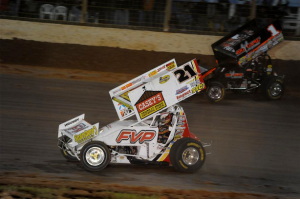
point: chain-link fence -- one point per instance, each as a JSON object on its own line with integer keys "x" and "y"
{"x": 216, "y": 17}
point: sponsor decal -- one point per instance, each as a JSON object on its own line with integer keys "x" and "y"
{"x": 108, "y": 126}
{"x": 69, "y": 123}
{"x": 229, "y": 48}
{"x": 77, "y": 128}
{"x": 179, "y": 97}
{"x": 153, "y": 73}
{"x": 123, "y": 103}
{"x": 134, "y": 137}
{"x": 151, "y": 104}
{"x": 170, "y": 66}
{"x": 181, "y": 119}
{"x": 181, "y": 90}
{"x": 245, "y": 47}
{"x": 195, "y": 83}
{"x": 125, "y": 95}
{"x": 116, "y": 91}
{"x": 126, "y": 86}
{"x": 86, "y": 135}
{"x": 234, "y": 75}
{"x": 137, "y": 80}
{"x": 164, "y": 79}
{"x": 198, "y": 88}
{"x": 124, "y": 111}
{"x": 159, "y": 69}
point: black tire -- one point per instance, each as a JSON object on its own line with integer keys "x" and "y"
{"x": 273, "y": 88}
{"x": 214, "y": 91}
{"x": 68, "y": 156}
{"x": 184, "y": 146}
{"x": 91, "y": 163}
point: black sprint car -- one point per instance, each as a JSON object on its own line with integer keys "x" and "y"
{"x": 244, "y": 64}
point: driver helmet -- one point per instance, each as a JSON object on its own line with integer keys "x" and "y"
{"x": 165, "y": 118}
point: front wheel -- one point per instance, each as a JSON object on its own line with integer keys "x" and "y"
{"x": 95, "y": 156}
{"x": 273, "y": 89}
{"x": 187, "y": 155}
{"x": 215, "y": 92}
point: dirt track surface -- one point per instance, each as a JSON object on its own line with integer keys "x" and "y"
{"x": 255, "y": 142}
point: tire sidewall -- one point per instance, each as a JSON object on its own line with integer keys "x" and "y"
{"x": 176, "y": 155}
{"x": 105, "y": 161}
{"x": 210, "y": 85}
{"x": 267, "y": 91}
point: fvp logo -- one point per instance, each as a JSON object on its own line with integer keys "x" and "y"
{"x": 133, "y": 137}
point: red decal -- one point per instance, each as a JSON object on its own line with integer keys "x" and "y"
{"x": 135, "y": 138}
{"x": 149, "y": 102}
{"x": 124, "y": 135}
{"x": 142, "y": 136}
{"x": 148, "y": 136}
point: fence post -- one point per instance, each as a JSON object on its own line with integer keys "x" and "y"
{"x": 298, "y": 23}
{"x": 253, "y": 10}
{"x": 168, "y": 11}
{"x": 83, "y": 10}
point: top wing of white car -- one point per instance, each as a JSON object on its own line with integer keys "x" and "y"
{"x": 157, "y": 90}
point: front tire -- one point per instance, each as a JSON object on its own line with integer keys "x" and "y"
{"x": 273, "y": 88}
{"x": 187, "y": 155}
{"x": 95, "y": 156}
{"x": 215, "y": 92}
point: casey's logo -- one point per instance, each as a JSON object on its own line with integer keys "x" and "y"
{"x": 133, "y": 137}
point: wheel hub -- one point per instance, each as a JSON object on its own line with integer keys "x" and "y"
{"x": 190, "y": 156}
{"x": 215, "y": 92}
{"x": 95, "y": 156}
{"x": 275, "y": 89}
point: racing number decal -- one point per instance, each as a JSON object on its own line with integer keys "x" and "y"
{"x": 133, "y": 137}
{"x": 272, "y": 30}
{"x": 184, "y": 74}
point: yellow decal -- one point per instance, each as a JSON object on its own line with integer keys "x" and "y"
{"x": 86, "y": 135}
{"x": 202, "y": 154}
{"x": 163, "y": 157}
{"x": 152, "y": 109}
{"x": 181, "y": 163}
{"x": 153, "y": 73}
{"x": 170, "y": 66}
{"x": 198, "y": 88}
{"x": 123, "y": 103}
{"x": 125, "y": 95}
{"x": 164, "y": 79}
{"x": 194, "y": 144}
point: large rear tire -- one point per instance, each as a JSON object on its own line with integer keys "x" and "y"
{"x": 215, "y": 91}
{"x": 95, "y": 156}
{"x": 187, "y": 155}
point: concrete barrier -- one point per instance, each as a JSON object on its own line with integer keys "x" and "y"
{"x": 127, "y": 39}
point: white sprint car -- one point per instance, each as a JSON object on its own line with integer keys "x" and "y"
{"x": 160, "y": 135}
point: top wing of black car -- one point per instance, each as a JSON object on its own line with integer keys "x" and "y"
{"x": 247, "y": 42}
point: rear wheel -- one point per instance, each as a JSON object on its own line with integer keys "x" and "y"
{"x": 187, "y": 155}
{"x": 215, "y": 91}
{"x": 273, "y": 88}
{"x": 67, "y": 154}
{"x": 95, "y": 156}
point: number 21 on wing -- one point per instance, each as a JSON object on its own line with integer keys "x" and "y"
{"x": 184, "y": 74}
